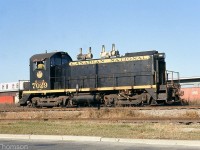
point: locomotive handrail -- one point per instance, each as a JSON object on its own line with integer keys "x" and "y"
{"x": 111, "y": 75}
{"x": 92, "y": 76}
{"x": 66, "y": 82}
{"x": 172, "y": 77}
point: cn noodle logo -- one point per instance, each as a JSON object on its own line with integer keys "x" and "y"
{"x": 39, "y": 74}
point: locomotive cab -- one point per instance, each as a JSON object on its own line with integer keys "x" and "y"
{"x": 44, "y": 69}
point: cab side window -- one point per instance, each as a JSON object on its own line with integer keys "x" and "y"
{"x": 64, "y": 59}
{"x": 56, "y": 60}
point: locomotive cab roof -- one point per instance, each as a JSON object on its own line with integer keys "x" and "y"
{"x": 43, "y": 56}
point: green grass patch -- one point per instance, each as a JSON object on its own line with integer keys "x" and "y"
{"x": 113, "y": 130}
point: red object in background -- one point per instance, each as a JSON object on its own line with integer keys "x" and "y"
{"x": 7, "y": 99}
{"x": 191, "y": 93}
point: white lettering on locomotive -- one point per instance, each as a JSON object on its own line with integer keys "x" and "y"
{"x": 112, "y": 60}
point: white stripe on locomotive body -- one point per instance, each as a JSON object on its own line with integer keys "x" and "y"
{"x": 91, "y": 89}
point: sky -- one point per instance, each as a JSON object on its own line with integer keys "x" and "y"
{"x": 29, "y": 27}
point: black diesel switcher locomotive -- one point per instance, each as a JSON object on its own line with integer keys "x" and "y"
{"x": 138, "y": 78}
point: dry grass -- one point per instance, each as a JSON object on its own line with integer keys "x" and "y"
{"x": 112, "y": 113}
{"x": 127, "y": 113}
{"x": 191, "y": 114}
{"x": 195, "y": 102}
{"x": 108, "y": 113}
{"x": 114, "y": 130}
{"x": 6, "y": 105}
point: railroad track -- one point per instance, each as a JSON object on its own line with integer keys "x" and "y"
{"x": 25, "y": 109}
{"x": 186, "y": 121}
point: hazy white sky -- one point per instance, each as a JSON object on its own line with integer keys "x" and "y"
{"x": 28, "y": 27}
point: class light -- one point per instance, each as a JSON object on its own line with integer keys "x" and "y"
{"x": 161, "y": 55}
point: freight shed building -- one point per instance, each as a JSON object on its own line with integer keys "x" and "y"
{"x": 9, "y": 92}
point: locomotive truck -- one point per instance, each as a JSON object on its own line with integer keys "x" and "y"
{"x": 138, "y": 78}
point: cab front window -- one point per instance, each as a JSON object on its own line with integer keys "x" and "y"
{"x": 39, "y": 65}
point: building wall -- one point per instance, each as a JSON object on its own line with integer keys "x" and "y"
{"x": 12, "y": 86}
{"x": 9, "y": 97}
